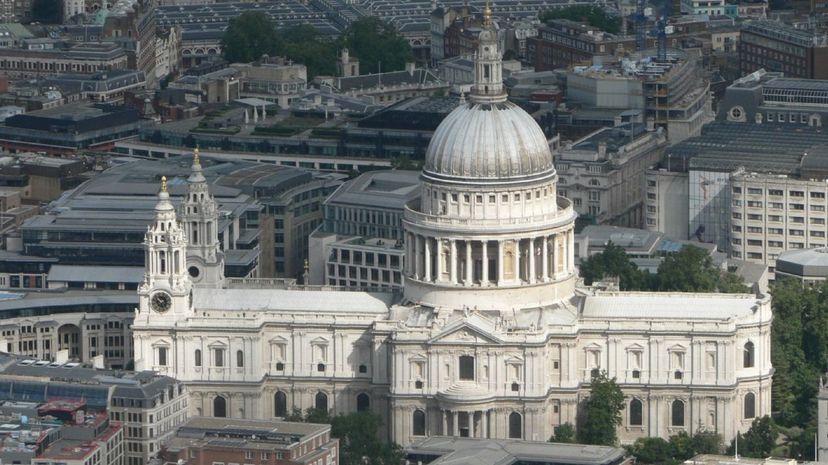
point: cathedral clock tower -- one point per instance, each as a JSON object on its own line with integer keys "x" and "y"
{"x": 164, "y": 295}
{"x": 199, "y": 218}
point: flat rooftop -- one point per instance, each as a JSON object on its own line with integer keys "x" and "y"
{"x": 468, "y": 451}
{"x": 379, "y": 189}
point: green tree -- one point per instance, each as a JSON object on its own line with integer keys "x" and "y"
{"x": 593, "y": 15}
{"x": 601, "y": 412}
{"x": 758, "y": 441}
{"x": 248, "y": 37}
{"x": 564, "y": 433}
{"x": 304, "y": 44}
{"x": 358, "y": 435}
{"x": 706, "y": 442}
{"x": 377, "y": 44}
{"x": 682, "y": 446}
{"x": 731, "y": 283}
{"x": 613, "y": 261}
{"x": 652, "y": 450}
{"x": 688, "y": 270}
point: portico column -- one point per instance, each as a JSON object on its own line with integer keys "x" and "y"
{"x": 499, "y": 262}
{"x": 455, "y": 426}
{"x": 438, "y": 243}
{"x": 418, "y": 265}
{"x": 532, "y": 261}
{"x": 453, "y": 269}
{"x": 545, "y": 259}
{"x": 484, "y": 418}
{"x": 485, "y": 260}
{"x": 469, "y": 267}
{"x": 444, "y": 414}
{"x": 517, "y": 261}
{"x": 427, "y": 259}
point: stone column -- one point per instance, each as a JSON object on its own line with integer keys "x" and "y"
{"x": 485, "y": 262}
{"x": 427, "y": 259}
{"x": 455, "y": 426}
{"x": 499, "y": 262}
{"x": 444, "y": 415}
{"x": 438, "y": 255}
{"x": 532, "y": 272}
{"x": 469, "y": 268}
{"x": 485, "y": 420}
{"x": 545, "y": 259}
{"x": 517, "y": 261}
{"x": 418, "y": 265}
{"x": 453, "y": 269}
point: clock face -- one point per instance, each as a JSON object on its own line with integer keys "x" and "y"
{"x": 160, "y": 302}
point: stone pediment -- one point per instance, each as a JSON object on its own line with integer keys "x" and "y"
{"x": 217, "y": 345}
{"x": 320, "y": 341}
{"x": 465, "y": 333}
{"x": 278, "y": 340}
{"x": 634, "y": 348}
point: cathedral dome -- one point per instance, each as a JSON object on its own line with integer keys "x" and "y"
{"x": 488, "y": 142}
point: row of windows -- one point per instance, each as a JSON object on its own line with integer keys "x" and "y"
{"x": 677, "y": 411}
{"x": 778, "y": 192}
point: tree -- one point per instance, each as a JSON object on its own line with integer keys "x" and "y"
{"x": 358, "y": 435}
{"x": 564, "y": 433}
{"x": 47, "y": 11}
{"x": 688, "y": 270}
{"x": 303, "y": 44}
{"x": 613, "y": 261}
{"x": 706, "y": 442}
{"x": 377, "y": 44}
{"x": 248, "y": 37}
{"x": 593, "y": 15}
{"x": 602, "y": 412}
{"x": 682, "y": 446}
{"x": 652, "y": 450}
{"x": 359, "y": 440}
{"x": 758, "y": 441}
{"x": 731, "y": 283}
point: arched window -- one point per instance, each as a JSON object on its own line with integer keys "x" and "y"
{"x": 515, "y": 426}
{"x": 219, "y": 407}
{"x": 677, "y": 411}
{"x": 198, "y": 357}
{"x": 280, "y": 404}
{"x": 467, "y": 367}
{"x": 636, "y": 413}
{"x": 239, "y": 358}
{"x": 363, "y": 402}
{"x": 750, "y": 405}
{"x": 418, "y": 421}
{"x": 748, "y": 355}
{"x": 321, "y": 402}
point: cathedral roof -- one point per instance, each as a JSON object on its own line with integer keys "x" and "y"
{"x": 293, "y": 300}
{"x": 669, "y": 305}
{"x": 489, "y": 142}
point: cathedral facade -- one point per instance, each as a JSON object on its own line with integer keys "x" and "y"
{"x": 490, "y": 338}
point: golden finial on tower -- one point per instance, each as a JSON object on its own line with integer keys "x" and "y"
{"x": 163, "y": 184}
{"x": 196, "y": 160}
{"x": 307, "y": 265}
{"x": 487, "y": 15}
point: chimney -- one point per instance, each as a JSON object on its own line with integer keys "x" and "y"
{"x": 410, "y": 67}
{"x": 650, "y": 124}
{"x": 602, "y": 149}
{"x": 617, "y": 121}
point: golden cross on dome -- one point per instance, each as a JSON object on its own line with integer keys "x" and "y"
{"x": 487, "y": 15}
{"x": 163, "y": 184}
{"x": 196, "y": 160}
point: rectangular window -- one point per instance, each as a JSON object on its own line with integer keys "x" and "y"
{"x": 467, "y": 367}
{"x": 218, "y": 357}
{"x": 162, "y": 356}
